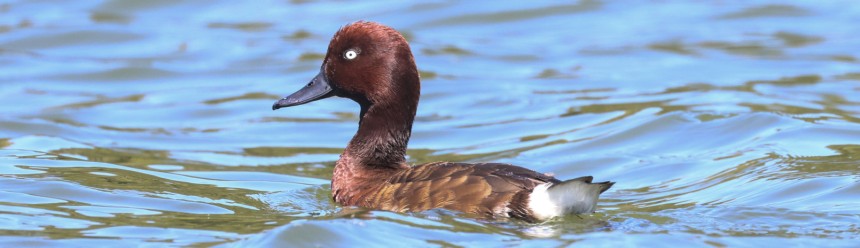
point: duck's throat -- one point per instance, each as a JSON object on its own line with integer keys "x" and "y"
{"x": 382, "y": 137}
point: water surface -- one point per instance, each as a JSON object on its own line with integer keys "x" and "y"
{"x": 724, "y": 123}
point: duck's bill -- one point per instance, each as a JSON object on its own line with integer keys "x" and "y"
{"x": 317, "y": 89}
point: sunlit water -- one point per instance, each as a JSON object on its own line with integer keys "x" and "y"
{"x": 724, "y": 123}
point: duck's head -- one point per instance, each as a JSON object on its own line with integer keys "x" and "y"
{"x": 367, "y": 62}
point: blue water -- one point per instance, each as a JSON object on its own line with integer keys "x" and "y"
{"x": 150, "y": 122}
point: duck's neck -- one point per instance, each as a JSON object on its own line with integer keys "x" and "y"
{"x": 377, "y": 151}
{"x": 382, "y": 137}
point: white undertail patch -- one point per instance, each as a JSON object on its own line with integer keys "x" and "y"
{"x": 573, "y": 197}
{"x": 540, "y": 204}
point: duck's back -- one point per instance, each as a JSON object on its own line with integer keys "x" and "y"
{"x": 489, "y": 189}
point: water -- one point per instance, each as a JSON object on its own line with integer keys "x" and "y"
{"x": 724, "y": 123}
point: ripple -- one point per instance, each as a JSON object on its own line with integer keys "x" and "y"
{"x": 176, "y": 236}
{"x": 772, "y": 10}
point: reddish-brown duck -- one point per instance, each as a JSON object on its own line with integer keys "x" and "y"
{"x": 372, "y": 64}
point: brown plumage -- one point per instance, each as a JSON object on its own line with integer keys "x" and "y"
{"x": 373, "y": 65}
{"x": 484, "y": 189}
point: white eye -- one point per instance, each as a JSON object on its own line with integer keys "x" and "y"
{"x": 350, "y": 54}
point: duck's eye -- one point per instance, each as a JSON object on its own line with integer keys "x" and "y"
{"x": 350, "y": 54}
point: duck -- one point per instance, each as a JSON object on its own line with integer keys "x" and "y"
{"x": 372, "y": 64}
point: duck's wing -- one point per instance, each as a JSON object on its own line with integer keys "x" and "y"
{"x": 485, "y": 188}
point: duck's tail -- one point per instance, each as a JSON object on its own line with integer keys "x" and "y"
{"x": 574, "y": 196}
